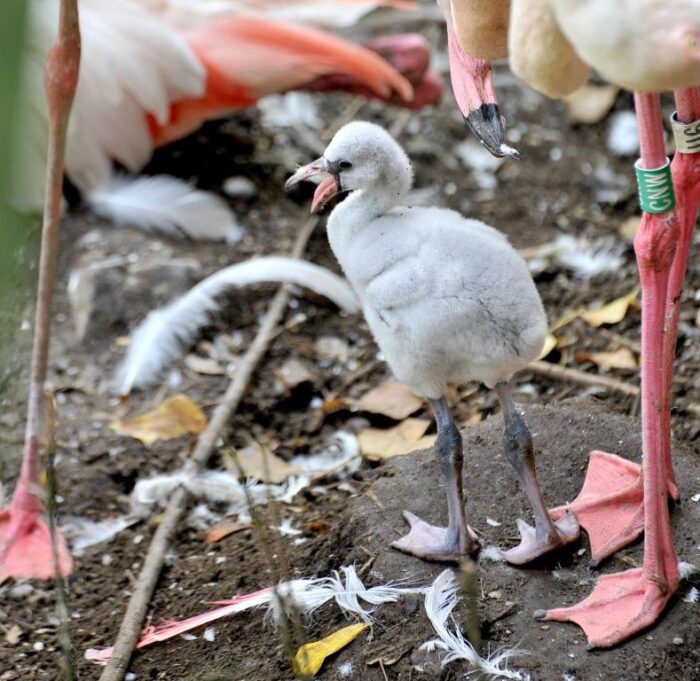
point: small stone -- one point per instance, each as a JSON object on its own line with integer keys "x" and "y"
{"x": 20, "y": 591}
{"x": 239, "y": 187}
{"x": 678, "y": 641}
{"x": 495, "y": 594}
{"x": 39, "y": 646}
{"x": 580, "y": 552}
{"x": 545, "y": 627}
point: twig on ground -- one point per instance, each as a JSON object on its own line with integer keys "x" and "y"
{"x": 134, "y": 616}
{"x": 560, "y": 373}
{"x": 64, "y": 636}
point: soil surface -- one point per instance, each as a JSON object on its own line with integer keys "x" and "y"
{"x": 566, "y": 183}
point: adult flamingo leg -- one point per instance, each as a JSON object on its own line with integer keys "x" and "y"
{"x": 625, "y": 603}
{"x": 25, "y": 539}
{"x": 610, "y": 504}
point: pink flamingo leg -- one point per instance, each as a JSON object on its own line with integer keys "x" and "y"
{"x": 610, "y": 505}
{"x": 25, "y": 539}
{"x": 625, "y": 603}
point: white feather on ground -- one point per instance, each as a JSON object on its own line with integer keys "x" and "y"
{"x": 347, "y": 589}
{"x": 440, "y": 600}
{"x": 216, "y": 487}
{"x": 83, "y": 532}
{"x": 166, "y": 205}
{"x": 306, "y": 595}
{"x": 167, "y": 332}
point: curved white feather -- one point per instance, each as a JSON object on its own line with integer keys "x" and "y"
{"x": 168, "y": 205}
{"x": 440, "y": 600}
{"x": 165, "y": 333}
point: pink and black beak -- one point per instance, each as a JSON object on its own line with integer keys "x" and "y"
{"x": 325, "y": 191}
{"x": 476, "y": 98}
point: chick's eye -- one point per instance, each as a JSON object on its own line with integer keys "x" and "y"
{"x": 344, "y": 165}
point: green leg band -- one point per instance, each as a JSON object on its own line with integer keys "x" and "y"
{"x": 655, "y": 185}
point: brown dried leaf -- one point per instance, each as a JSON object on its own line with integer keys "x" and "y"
{"x": 623, "y": 358}
{"x": 591, "y": 103}
{"x": 13, "y": 635}
{"x": 218, "y": 532}
{"x": 177, "y": 416}
{"x": 260, "y": 464}
{"x": 629, "y": 228}
{"x": 207, "y": 366}
{"x": 612, "y": 313}
{"x": 377, "y": 444}
{"x": 391, "y": 399}
{"x": 293, "y": 373}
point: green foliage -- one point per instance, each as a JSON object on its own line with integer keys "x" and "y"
{"x": 18, "y": 234}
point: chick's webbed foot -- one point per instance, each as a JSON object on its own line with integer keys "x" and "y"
{"x": 534, "y": 544}
{"x": 430, "y": 542}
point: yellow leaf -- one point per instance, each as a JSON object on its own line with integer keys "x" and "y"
{"x": 177, "y": 416}
{"x": 617, "y": 359}
{"x": 549, "y": 344}
{"x": 613, "y": 312}
{"x": 567, "y": 317}
{"x": 377, "y": 444}
{"x": 629, "y": 228}
{"x": 311, "y": 656}
{"x": 391, "y": 399}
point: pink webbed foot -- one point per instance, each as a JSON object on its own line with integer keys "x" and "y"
{"x": 610, "y": 504}
{"x": 434, "y": 543}
{"x": 532, "y": 546}
{"x": 619, "y": 606}
{"x": 25, "y": 547}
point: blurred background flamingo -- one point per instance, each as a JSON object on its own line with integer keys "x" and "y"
{"x": 154, "y": 70}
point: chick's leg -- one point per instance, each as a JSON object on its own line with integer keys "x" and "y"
{"x": 546, "y": 535}
{"x": 453, "y": 542}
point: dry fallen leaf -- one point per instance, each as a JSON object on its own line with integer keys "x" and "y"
{"x": 218, "y": 532}
{"x": 629, "y": 228}
{"x": 617, "y": 359}
{"x": 291, "y": 374}
{"x": 260, "y": 464}
{"x": 177, "y": 416}
{"x": 549, "y": 344}
{"x": 590, "y": 103}
{"x": 391, "y": 399}
{"x": 207, "y": 366}
{"x": 12, "y": 635}
{"x": 311, "y": 656}
{"x": 612, "y": 313}
{"x": 377, "y": 444}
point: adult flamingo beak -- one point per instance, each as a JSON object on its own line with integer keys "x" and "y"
{"x": 325, "y": 191}
{"x": 476, "y": 98}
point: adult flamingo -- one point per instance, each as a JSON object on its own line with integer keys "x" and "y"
{"x": 644, "y": 48}
{"x": 651, "y": 49}
{"x": 145, "y": 81}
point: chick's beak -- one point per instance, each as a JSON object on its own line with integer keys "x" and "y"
{"x": 476, "y": 98}
{"x": 325, "y": 191}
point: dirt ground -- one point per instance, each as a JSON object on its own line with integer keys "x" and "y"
{"x": 551, "y": 191}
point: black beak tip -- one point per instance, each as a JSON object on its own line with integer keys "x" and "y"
{"x": 486, "y": 123}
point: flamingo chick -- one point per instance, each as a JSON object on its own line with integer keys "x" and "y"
{"x": 447, "y": 300}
